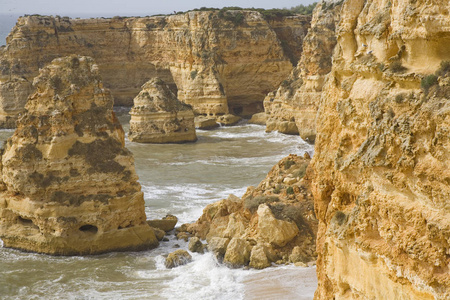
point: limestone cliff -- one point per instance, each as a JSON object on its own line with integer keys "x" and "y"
{"x": 292, "y": 108}
{"x": 381, "y": 163}
{"x": 272, "y": 223}
{"x": 216, "y": 64}
{"x": 158, "y": 116}
{"x": 68, "y": 184}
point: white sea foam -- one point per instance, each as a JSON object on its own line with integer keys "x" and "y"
{"x": 204, "y": 278}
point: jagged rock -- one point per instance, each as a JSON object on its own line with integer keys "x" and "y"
{"x": 159, "y": 117}
{"x": 258, "y": 258}
{"x": 70, "y": 187}
{"x": 202, "y": 122}
{"x": 166, "y": 224}
{"x": 381, "y": 161}
{"x": 275, "y": 216}
{"x": 218, "y": 246}
{"x": 238, "y": 253}
{"x": 214, "y": 65}
{"x": 196, "y": 245}
{"x": 178, "y": 258}
{"x": 272, "y": 230}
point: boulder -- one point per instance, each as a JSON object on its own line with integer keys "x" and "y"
{"x": 218, "y": 246}
{"x": 167, "y": 223}
{"x": 177, "y": 258}
{"x": 202, "y": 122}
{"x": 258, "y": 258}
{"x": 238, "y": 253}
{"x": 259, "y": 119}
{"x": 196, "y": 245}
{"x": 274, "y": 231}
{"x": 228, "y": 119}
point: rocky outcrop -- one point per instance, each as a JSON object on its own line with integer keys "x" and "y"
{"x": 217, "y": 64}
{"x": 159, "y": 117}
{"x": 381, "y": 176}
{"x": 68, "y": 184}
{"x": 292, "y": 108}
{"x": 13, "y": 96}
{"x": 269, "y": 223}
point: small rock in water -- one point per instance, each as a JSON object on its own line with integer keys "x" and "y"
{"x": 167, "y": 223}
{"x": 177, "y": 258}
{"x": 196, "y": 245}
{"x": 183, "y": 236}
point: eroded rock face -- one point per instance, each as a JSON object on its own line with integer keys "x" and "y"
{"x": 159, "y": 117}
{"x": 381, "y": 175}
{"x": 69, "y": 184}
{"x": 267, "y": 223}
{"x": 292, "y": 108}
{"x": 217, "y": 66}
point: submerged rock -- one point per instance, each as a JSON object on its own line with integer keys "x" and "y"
{"x": 69, "y": 186}
{"x": 159, "y": 117}
{"x": 177, "y": 258}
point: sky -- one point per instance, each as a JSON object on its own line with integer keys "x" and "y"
{"x": 129, "y": 7}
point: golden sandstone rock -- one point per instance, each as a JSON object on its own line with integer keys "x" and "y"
{"x": 292, "y": 108}
{"x": 381, "y": 163}
{"x": 69, "y": 186}
{"x": 216, "y": 66}
{"x": 159, "y": 117}
{"x": 267, "y": 223}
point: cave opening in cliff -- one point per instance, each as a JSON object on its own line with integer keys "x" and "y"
{"x": 89, "y": 228}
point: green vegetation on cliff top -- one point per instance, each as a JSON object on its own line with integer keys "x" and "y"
{"x": 269, "y": 14}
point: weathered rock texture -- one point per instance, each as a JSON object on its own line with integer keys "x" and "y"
{"x": 381, "y": 164}
{"x": 216, "y": 65}
{"x": 159, "y": 117}
{"x": 68, "y": 184}
{"x": 292, "y": 108}
{"x": 273, "y": 222}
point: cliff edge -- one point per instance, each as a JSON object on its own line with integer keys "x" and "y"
{"x": 381, "y": 177}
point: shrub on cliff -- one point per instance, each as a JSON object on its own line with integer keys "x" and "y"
{"x": 428, "y": 81}
{"x": 252, "y": 204}
{"x": 397, "y": 67}
{"x": 444, "y": 68}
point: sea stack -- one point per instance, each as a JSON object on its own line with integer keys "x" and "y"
{"x": 159, "y": 117}
{"x": 68, "y": 184}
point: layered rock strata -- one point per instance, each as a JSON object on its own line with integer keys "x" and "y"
{"x": 68, "y": 184}
{"x": 217, "y": 65}
{"x": 272, "y": 223}
{"x": 381, "y": 164}
{"x": 159, "y": 117}
{"x": 292, "y": 108}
